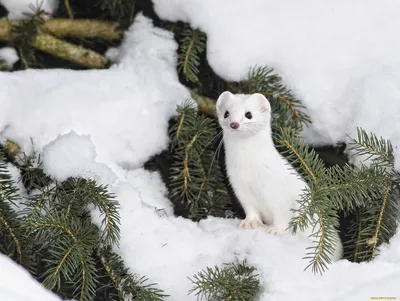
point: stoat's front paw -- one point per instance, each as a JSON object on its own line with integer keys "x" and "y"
{"x": 250, "y": 224}
{"x": 274, "y": 230}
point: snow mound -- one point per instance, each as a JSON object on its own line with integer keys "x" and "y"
{"x": 73, "y": 155}
{"x": 9, "y": 55}
{"x": 125, "y": 110}
{"x": 16, "y": 284}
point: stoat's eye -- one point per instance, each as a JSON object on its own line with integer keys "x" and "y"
{"x": 226, "y": 115}
{"x": 248, "y": 115}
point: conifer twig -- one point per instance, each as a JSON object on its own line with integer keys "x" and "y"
{"x": 69, "y": 10}
{"x": 206, "y": 105}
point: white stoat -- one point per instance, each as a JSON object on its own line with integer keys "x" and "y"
{"x": 265, "y": 183}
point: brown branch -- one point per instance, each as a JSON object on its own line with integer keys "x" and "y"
{"x": 77, "y": 28}
{"x": 69, "y": 52}
{"x": 47, "y": 42}
{"x": 82, "y": 28}
{"x": 205, "y": 104}
{"x": 5, "y": 30}
{"x": 69, "y": 10}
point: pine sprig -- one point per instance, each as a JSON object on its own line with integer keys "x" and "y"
{"x": 70, "y": 243}
{"x": 193, "y": 43}
{"x": 195, "y": 181}
{"x": 119, "y": 9}
{"x": 77, "y": 193}
{"x": 235, "y": 282}
{"x": 369, "y": 146}
{"x": 11, "y": 227}
{"x": 127, "y": 284}
{"x": 287, "y": 110}
{"x": 376, "y": 221}
{"x": 351, "y": 188}
{"x": 311, "y": 167}
{"x": 315, "y": 209}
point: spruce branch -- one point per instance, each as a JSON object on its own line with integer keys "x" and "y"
{"x": 376, "y": 221}
{"x": 193, "y": 43}
{"x": 315, "y": 207}
{"x": 377, "y": 149}
{"x": 127, "y": 284}
{"x": 287, "y": 111}
{"x": 70, "y": 243}
{"x": 352, "y": 187}
{"x": 11, "y": 228}
{"x": 234, "y": 282}
{"x": 77, "y": 193}
{"x": 119, "y": 9}
{"x": 195, "y": 181}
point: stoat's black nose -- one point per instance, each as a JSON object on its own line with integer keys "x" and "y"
{"x": 234, "y": 125}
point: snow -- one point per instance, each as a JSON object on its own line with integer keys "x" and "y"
{"x": 125, "y": 109}
{"x": 339, "y": 57}
{"x": 105, "y": 124}
{"x": 12, "y": 276}
{"x": 73, "y": 155}
{"x": 9, "y": 55}
{"x": 18, "y": 9}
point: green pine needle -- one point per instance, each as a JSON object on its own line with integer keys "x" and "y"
{"x": 117, "y": 8}
{"x": 70, "y": 243}
{"x": 287, "y": 111}
{"x": 373, "y": 148}
{"x": 127, "y": 284}
{"x": 234, "y": 282}
{"x": 196, "y": 180}
{"x": 193, "y": 43}
{"x": 77, "y": 194}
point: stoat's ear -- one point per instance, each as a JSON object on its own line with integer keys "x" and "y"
{"x": 262, "y": 100}
{"x": 223, "y": 98}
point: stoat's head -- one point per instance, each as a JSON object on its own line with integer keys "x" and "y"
{"x": 241, "y": 114}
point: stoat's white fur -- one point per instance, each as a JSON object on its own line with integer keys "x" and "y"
{"x": 265, "y": 183}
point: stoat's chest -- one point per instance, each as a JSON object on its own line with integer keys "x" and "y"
{"x": 260, "y": 169}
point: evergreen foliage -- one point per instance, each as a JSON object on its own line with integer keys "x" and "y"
{"x": 12, "y": 231}
{"x": 192, "y": 44}
{"x": 4, "y": 66}
{"x": 118, "y": 9}
{"x": 287, "y": 111}
{"x": 195, "y": 180}
{"x": 234, "y": 281}
{"x": 51, "y": 233}
{"x": 376, "y": 221}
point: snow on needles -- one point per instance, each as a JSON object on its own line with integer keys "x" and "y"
{"x": 339, "y": 57}
{"x": 111, "y": 122}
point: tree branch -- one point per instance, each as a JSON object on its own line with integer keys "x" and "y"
{"x": 205, "y": 104}
{"x": 70, "y": 52}
{"x": 47, "y": 42}
{"x": 82, "y": 28}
